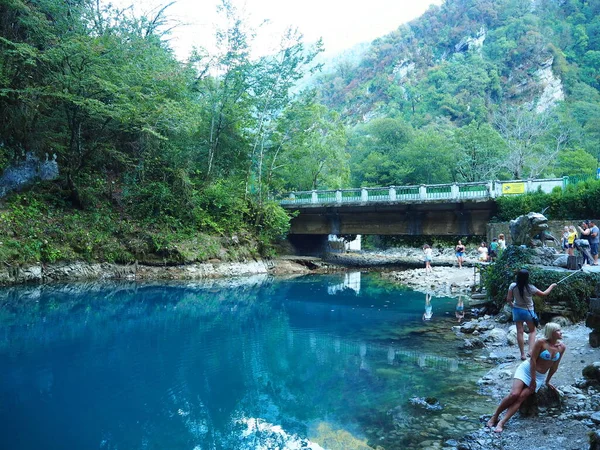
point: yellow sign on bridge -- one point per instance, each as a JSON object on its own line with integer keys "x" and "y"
{"x": 513, "y": 188}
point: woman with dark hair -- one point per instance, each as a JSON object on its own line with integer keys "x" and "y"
{"x": 529, "y": 377}
{"x": 520, "y": 297}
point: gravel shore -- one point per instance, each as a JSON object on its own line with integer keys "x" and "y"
{"x": 566, "y": 427}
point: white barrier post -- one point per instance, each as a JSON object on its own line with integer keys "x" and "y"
{"x": 392, "y": 193}
{"x": 364, "y": 195}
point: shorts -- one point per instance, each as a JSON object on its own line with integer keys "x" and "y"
{"x": 569, "y": 245}
{"x": 523, "y": 315}
{"x": 594, "y": 248}
{"x": 460, "y": 254}
{"x": 427, "y": 259}
{"x": 523, "y": 373}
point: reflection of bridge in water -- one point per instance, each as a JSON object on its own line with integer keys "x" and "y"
{"x": 393, "y": 353}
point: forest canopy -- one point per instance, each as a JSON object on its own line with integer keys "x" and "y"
{"x": 153, "y": 151}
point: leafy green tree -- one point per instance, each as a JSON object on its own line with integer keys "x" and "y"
{"x": 481, "y": 151}
{"x": 308, "y": 149}
{"x": 575, "y": 162}
{"x": 377, "y": 148}
{"x": 432, "y": 157}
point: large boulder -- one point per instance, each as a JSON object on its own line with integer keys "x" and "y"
{"x": 530, "y": 230}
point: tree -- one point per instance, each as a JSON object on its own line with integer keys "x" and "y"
{"x": 376, "y": 148}
{"x": 308, "y": 150}
{"x": 533, "y": 140}
{"x": 481, "y": 151}
{"x": 575, "y": 162}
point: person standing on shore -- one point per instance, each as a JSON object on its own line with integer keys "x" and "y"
{"x": 546, "y": 356}
{"x": 581, "y": 245}
{"x": 594, "y": 241}
{"x": 501, "y": 244}
{"x": 460, "y": 254}
{"x": 520, "y": 297}
{"x": 483, "y": 252}
{"x": 571, "y": 241}
{"x": 564, "y": 242}
{"x": 428, "y": 256}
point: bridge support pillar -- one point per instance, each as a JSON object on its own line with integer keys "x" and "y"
{"x": 464, "y": 220}
{"x": 423, "y": 192}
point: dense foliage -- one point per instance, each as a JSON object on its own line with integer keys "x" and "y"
{"x": 175, "y": 150}
{"x": 146, "y": 145}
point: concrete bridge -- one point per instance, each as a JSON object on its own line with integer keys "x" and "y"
{"x": 458, "y": 209}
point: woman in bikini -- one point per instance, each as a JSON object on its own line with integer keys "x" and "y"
{"x": 531, "y": 374}
{"x": 520, "y": 297}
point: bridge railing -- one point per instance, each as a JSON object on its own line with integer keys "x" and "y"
{"x": 423, "y": 193}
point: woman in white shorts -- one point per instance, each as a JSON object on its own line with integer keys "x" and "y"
{"x": 531, "y": 374}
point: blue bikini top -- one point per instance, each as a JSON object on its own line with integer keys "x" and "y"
{"x": 546, "y": 355}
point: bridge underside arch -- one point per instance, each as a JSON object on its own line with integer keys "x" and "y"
{"x": 464, "y": 218}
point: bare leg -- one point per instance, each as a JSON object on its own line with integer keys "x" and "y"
{"x": 512, "y": 409}
{"x": 521, "y": 340}
{"x": 515, "y": 392}
{"x": 532, "y": 334}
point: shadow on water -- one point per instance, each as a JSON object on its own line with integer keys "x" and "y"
{"x": 338, "y": 361}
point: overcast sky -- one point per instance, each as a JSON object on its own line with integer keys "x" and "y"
{"x": 341, "y": 23}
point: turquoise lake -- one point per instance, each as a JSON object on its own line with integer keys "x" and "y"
{"x": 338, "y": 361}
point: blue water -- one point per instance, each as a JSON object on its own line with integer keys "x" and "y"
{"x": 320, "y": 361}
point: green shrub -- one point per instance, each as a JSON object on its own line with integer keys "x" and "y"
{"x": 575, "y": 202}
{"x": 573, "y": 293}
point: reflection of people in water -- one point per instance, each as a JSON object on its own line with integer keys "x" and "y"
{"x": 460, "y": 309}
{"x": 428, "y": 311}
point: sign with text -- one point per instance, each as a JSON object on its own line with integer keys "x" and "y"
{"x": 513, "y": 188}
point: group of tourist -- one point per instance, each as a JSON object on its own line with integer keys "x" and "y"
{"x": 491, "y": 252}
{"x": 588, "y": 236}
{"x": 486, "y": 253}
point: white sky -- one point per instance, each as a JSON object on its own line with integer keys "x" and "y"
{"x": 341, "y": 23}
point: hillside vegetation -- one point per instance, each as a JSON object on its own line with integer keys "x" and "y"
{"x": 168, "y": 161}
{"x": 475, "y": 90}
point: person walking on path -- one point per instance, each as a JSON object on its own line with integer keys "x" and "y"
{"x": 428, "y": 257}
{"x": 460, "y": 254}
{"x": 520, "y": 297}
{"x": 546, "y": 355}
